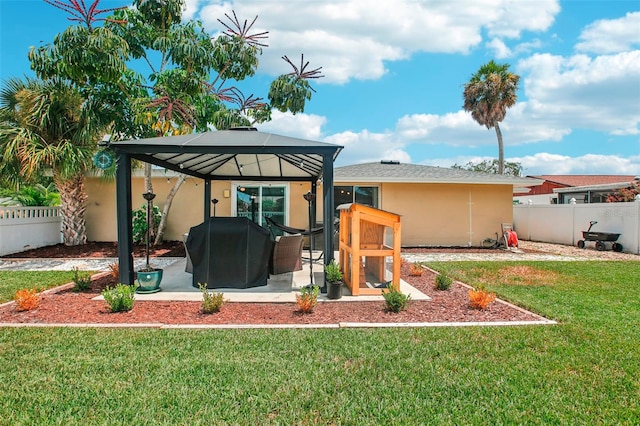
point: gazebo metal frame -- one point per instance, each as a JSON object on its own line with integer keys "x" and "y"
{"x": 242, "y": 154}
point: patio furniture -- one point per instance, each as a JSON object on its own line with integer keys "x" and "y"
{"x": 189, "y": 265}
{"x": 316, "y": 232}
{"x": 287, "y": 254}
{"x": 229, "y": 252}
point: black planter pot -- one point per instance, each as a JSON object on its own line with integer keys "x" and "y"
{"x": 334, "y": 290}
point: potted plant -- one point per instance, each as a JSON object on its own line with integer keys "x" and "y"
{"x": 149, "y": 278}
{"x": 333, "y": 280}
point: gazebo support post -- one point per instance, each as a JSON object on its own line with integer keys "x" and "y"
{"x": 124, "y": 218}
{"x": 207, "y": 199}
{"x": 327, "y": 206}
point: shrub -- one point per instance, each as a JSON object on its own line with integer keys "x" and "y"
{"x": 308, "y": 298}
{"x": 332, "y": 272}
{"x": 395, "y": 300}
{"x": 443, "y": 282}
{"x": 416, "y": 269}
{"x": 82, "y": 282}
{"x": 115, "y": 270}
{"x": 27, "y": 300}
{"x": 139, "y": 225}
{"x": 211, "y": 301}
{"x": 480, "y": 298}
{"x": 119, "y": 298}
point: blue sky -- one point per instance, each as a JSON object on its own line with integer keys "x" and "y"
{"x": 394, "y": 72}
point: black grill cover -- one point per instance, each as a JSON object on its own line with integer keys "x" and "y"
{"x": 231, "y": 252}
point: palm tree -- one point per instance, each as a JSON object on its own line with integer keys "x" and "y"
{"x": 47, "y": 125}
{"x": 487, "y": 96}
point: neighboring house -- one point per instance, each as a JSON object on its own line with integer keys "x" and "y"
{"x": 438, "y": 206}
{"x": 547, "y": 193}
{"x": 590, "y": 194}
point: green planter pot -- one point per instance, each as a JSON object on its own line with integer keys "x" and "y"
{"x": 149, "y": 282}
{"x": 334, "y": 290}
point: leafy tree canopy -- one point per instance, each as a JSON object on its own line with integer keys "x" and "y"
{"x": 491, "y": 166}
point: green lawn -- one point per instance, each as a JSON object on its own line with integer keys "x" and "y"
{"x": 12, "y": 281}
{"x": 584, "y": 370}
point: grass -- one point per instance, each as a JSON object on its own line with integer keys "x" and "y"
{"x": 583, "y": 371}
{"x": 12, "y": 281}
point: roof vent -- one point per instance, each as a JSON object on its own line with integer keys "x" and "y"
{"x": 244, "y": 128}
{"x": 389, "y": 162}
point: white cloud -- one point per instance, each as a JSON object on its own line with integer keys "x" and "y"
{"x": 365, "y": 147}
{"x": 352, "y": 39}
{"x": 611, "y": 35}
{"x": 546, "y": 163}
{"x": 190, "y": 9}
{"x": 580, "y": 92}
{"x": 304, "y": 126}
{"x": 500, "y": 50}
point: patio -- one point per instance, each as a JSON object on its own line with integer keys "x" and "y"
{"x": 177, "y": 286}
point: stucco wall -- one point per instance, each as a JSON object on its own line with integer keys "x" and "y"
{"x": 432, "y": 214}
{"x": 186, "y": 210}
{"x": 448, "y": 214}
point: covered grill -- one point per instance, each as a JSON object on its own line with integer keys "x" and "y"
{"x": 229, "y": 252}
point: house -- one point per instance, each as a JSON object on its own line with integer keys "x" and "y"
{"x": 589, "y": 194}
{"x": 547, "y": 194}
{"x": 438, "y": 206}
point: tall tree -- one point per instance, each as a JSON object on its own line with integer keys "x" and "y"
{"x": 47, "y": 124}
{"x": 488, "y": 94}
{"x": 191, "y": 80}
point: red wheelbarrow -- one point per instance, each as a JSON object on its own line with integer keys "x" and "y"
{"x": 600, "y": 238}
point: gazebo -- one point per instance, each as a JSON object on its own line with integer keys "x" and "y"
{"x": 240, "y": 154}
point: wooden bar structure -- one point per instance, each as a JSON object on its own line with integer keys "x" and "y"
{"x": 363, "y": 250}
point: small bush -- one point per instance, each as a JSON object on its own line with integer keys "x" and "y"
{"x": 26, "y": 300}
{"x": 211, "y": 301}
{"x": 332, "y": 272}
{"x": 119, "y": 298}
{"x": 139, "y": 225}
{"x": 416, "y": 269}
{"x": 115, "y": 270}
{"x": 443, "y": 282}
{"x": 82, "y": 282}
{"x": 395, "y": 300}
{"x": 480, "y": 298}
{"x": 308, "y": 298}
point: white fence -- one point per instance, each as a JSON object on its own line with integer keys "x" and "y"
{"x": 23, "y": 228}
{"x": 564, "y": 223}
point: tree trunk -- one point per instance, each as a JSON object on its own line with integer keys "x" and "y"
{"x": 73, "y": 207}
{"x": 148, "y": 187}
{"x": 167, "y": 207}
{"x": 500, "y": 149}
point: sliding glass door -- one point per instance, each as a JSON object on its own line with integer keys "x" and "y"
{"x": 255, "y": 201}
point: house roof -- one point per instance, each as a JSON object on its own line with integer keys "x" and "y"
{"x": 239, "y": 154}
{"x": 390, "y": 171}
{"x": 601, "y": 187}
{"x": 585, "y": 180}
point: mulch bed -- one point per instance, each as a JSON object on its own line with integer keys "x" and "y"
{"x": 68, "y": 307}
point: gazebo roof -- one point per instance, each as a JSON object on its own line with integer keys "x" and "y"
{"x": 238, "y": 154}
{"x": 241, "y": 154}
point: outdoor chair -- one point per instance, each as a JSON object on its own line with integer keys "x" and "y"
{"x": 271, "y": 224}
{"x": 287, "y": 254}
{"x": 189, "y": 265}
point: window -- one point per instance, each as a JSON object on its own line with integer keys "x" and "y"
{"x": 366, "y": 195}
